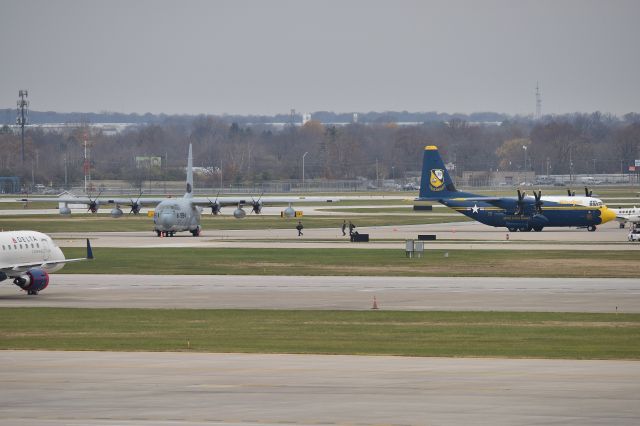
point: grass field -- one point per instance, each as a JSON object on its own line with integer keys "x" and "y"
{"x": 451, "y": 334}
{"x": 349, "y": 261}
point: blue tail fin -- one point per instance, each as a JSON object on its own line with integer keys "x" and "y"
{"x": 436, "y": 184}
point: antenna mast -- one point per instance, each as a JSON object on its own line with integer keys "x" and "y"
{"x": 538, "y": 103}
{"x": 87, "y": 164}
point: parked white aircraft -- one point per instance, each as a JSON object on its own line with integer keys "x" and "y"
{"x": 588, "y": 200}
{"x": 29, "y": 256}
{"x": 182, "y": 214}
{"x": 627, "y": 214}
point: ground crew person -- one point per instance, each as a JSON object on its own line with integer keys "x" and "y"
{"x": 299, "y": 227}
{"x": 344, "y": 227}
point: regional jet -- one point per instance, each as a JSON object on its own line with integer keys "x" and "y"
{"x": 524, "y": 213}
{"x": 28, "y": 257}
{"x": 173, "y": 215}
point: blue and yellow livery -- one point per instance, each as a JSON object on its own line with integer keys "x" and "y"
{"x": 521, "y": 213}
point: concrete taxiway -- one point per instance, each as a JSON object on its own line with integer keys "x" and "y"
{"x": 106, "y": 388}
{"x": 321, "y": 292}
{"x": 459, "y": 235}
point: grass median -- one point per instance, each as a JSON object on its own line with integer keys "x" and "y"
{"x": 450, "y": 334}
{"x": 356, "y": 262}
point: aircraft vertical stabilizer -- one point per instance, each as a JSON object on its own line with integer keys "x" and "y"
{"x": 435, "y": 184}
{"x": 189, "y": 192}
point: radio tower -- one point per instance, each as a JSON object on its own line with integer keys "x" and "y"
{"x": 538, "y": 103}
{"x": 23, "y": 115}
{"x": 86, "y": 165}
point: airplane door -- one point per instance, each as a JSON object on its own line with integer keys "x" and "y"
{"x": 46, "y": 250}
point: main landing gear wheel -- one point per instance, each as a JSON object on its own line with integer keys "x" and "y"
{"x": 537, "y": 228}
{"x": 159, "y": 234}
{"x": 196, "y": 232}
{"x": 591, "y": 228}
{"x": 512, "y": 229}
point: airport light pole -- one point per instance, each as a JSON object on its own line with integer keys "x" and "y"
{"x": 524, "y": 168}
{"x": 303, "y": 155}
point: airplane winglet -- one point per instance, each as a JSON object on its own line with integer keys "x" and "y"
{"x": 89, "y": 251}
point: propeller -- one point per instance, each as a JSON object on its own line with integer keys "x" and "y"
{"x": 520, "y": 203}
{"x": 256, "y": 206}
{"x": 215, "y": 207}
{"x": 93, "y": 204}
{"x": 587, "y": 192}
{"x": 539, "y": 202}
{"x": 135, "y": 207}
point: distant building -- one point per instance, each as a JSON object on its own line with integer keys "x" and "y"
{"x": 497, "y": 178}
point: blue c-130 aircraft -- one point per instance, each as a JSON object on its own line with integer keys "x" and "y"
{"x": 521, "y": 213}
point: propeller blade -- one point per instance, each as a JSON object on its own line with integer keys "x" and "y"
{"x": 215, "y": 207}
{"x": 93, "y": 204}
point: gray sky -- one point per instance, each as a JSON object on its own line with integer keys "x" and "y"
{"x": 266, "y": 57}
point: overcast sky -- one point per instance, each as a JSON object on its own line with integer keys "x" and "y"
{"x": 266, "y": 57}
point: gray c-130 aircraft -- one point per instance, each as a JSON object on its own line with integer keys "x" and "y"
{"x": 173, "y": 215}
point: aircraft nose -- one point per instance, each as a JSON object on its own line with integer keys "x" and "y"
{"x": 166, "y": 220}
{"x": 606, "y": 214}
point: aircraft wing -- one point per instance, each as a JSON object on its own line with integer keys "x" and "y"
{"x": 130, "y": 200}
{"x": 101, "y": 201}
{"x": 70, "y": 200}
{"x": 234, "y": 201}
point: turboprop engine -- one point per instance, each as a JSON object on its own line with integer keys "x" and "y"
{"x": 289, "y": 212}
{"x": 33, "y": 281}
{"x": 239, "y": 213}
{"x": 116, "y": 212}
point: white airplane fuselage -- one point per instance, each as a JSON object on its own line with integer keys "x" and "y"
{"x": 28, "y": 257}
{"x": 628, "y": 214}
{"x": 21, "y": 247}
{"x": 574, "y": 200}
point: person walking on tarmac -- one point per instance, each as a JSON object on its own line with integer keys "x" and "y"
{"x": 351, "y": 228}
{"x": 344, "y": 227}
{"x": 299, "y": 227}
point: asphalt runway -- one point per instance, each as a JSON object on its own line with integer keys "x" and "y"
{"x": 106, "y": 388}
{"x": 326, "y": 293}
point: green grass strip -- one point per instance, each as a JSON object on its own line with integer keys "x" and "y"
{"x": 450, "y": 334}
{"x": 356, "y": 262}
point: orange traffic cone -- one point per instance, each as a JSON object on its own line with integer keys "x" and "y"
{"x": 375, "y": 303}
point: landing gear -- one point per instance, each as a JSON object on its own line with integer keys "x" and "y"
{"x": 165, "y": 233}
{"x": 591, "y": 228}
{"x": 512, "y": 229}
{"x": 537, "y": 228}
{"x": 196, "y": 232}
{"x": 621, "y": 225}
{"x": 158, "y": 233}
{"x": 32, "y": 293}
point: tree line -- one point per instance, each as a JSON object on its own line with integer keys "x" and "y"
{"x": 235, "y": 153}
